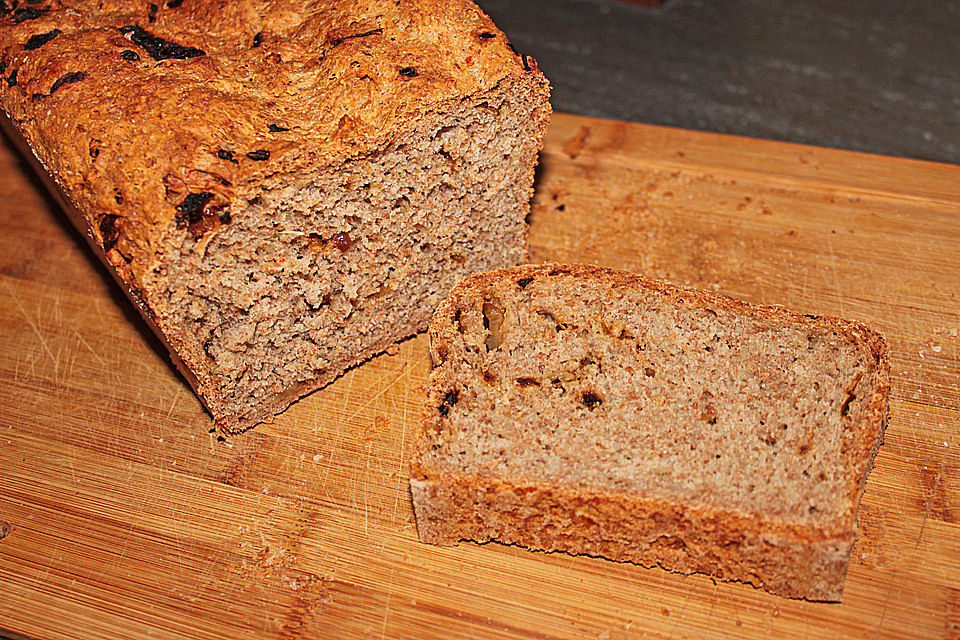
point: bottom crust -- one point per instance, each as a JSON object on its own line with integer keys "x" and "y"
{"x": 784, "y": 559}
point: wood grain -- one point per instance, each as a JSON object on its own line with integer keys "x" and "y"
{"x": 126, "y": 518}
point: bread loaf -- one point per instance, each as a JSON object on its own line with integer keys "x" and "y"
{"x": 284, "y": 188}
{"x": 599, "y": 412}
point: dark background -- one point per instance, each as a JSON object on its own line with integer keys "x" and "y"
{"x": 881, "y": 76}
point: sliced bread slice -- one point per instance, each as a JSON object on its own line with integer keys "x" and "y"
{"x": 599, "y": 412}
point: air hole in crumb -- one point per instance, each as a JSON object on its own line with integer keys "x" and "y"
{"x": 493, "y": 322}
{"x": 458, "y": 258}
{"x": 591, "y": 400}
{"x": 485, "y": 106}
{"x": 528, "y": 382}
{"x": 769, "y": 440}
{"x": 426, "y": 247}
{"x": 845, "y": 408}
{"x": 549, "y": 317}
{"x": 109, "y": 231}
{"x": 323, "y": 302}
{"x": 804, "y": 448}
{"x": 489, "y": 376}
{"x": 649, "y": 372}
{"x": 812, "y": 509}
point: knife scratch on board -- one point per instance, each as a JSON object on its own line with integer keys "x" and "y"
{"x": 33, "y": 326}
{"x": 401, "y": 476}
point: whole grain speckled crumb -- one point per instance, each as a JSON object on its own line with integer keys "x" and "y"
{"x": 599, "y": 412}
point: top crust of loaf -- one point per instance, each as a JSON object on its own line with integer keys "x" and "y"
{"x": 144, "y": 112}
{"x": 447, "y": 343}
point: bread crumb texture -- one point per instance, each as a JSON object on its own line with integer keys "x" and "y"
{"x": 600, "y": 412}
{"x": 284, "y": 187}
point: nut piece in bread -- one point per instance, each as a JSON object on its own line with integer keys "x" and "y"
{"x": 599, "y": 412}
{"x": 283, "y": 188}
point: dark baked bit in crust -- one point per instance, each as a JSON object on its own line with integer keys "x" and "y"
{"x": 599, "y": 412}
{"x": 284, "y": 188}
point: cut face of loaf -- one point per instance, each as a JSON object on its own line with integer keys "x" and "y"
{"x": 598, "y": 412}
{"x": 284, "y": 188}
{"x": 318, "y": 274}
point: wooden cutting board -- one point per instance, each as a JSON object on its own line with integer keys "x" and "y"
{"x": 121, "y": 516}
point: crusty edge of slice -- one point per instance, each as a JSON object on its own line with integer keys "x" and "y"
{"x": 787, "y": 559}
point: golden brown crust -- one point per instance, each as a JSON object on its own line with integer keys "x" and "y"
{"x": 279, "y": 86}
{"x": 789, "y": 558}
